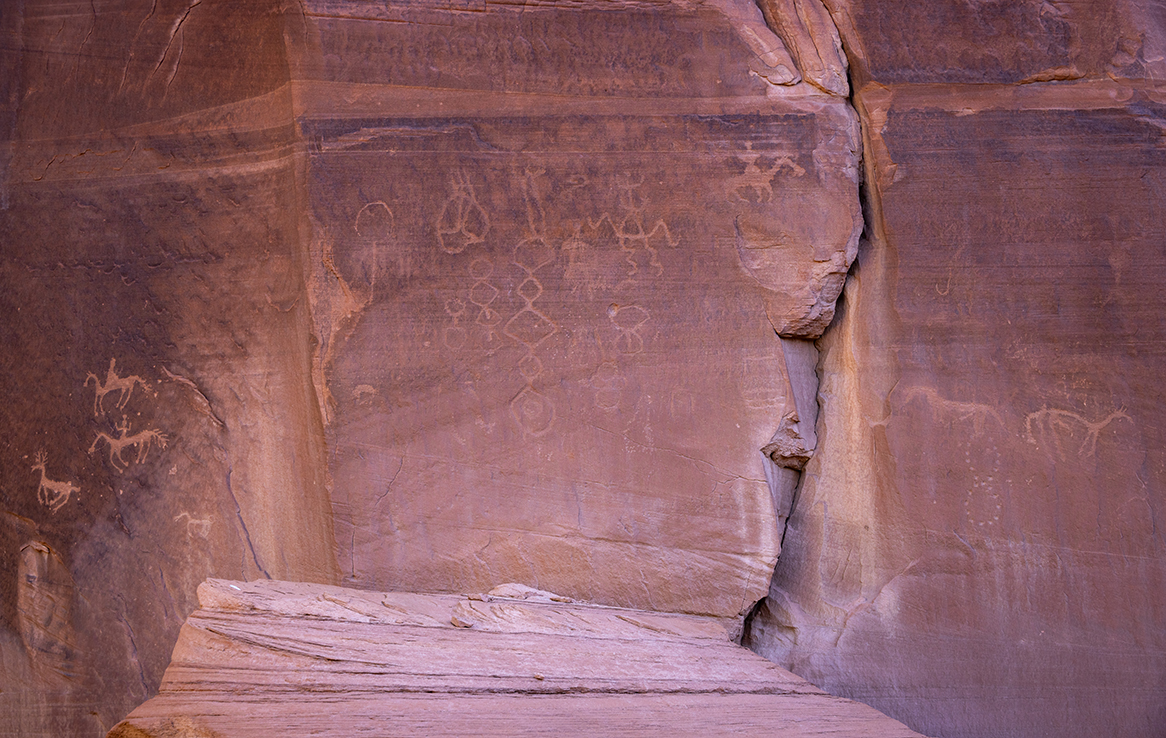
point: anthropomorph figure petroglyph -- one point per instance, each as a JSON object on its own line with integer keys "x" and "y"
{"x": 124, "y": 385}
{"x": 142, "y": 439}
{"x": 51, "y": 494}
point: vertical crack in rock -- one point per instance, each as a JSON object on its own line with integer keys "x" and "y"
{"x": 812, "y": 36}
{"x": 243, "y": 527}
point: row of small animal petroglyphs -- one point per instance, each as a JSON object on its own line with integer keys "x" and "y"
{"x": 1046, "y": 428}
{"x": 54, "y": 494}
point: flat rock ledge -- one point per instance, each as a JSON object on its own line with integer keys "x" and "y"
{"x": 277, "y": 658}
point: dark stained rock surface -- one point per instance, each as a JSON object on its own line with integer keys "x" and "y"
{"x": 431, "y": 295}
{"x": 157, "y": 423}
{"x": 276, "y": 658}
{"x": 977, "y": 546}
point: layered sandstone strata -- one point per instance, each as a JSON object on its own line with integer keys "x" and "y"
{"x": 499, "y": 290}
{"x": 276, "y": 658}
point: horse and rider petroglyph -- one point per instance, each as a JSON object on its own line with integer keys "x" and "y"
{"x": 143, "y": 440}
{"x": 113, "y": 382}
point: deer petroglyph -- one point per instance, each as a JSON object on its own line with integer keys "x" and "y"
{"x": 52, "y": 494}
{"x": 1054, "y": 425}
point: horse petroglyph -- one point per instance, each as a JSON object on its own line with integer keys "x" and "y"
{"x": 194, "y": 526}
{"x": 117, "y": 446}
{"x": 113, "y": 382}
{"x": 51, "y": 493}
{"x": 756, "y": 180}
{"x": 1058, "y": 424}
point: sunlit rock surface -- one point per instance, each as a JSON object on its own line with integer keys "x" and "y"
{"x": 276, "y": 658}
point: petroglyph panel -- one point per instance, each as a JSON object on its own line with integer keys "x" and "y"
{"x": 571, "y": 381}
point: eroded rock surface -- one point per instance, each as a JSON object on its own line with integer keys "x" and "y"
{"x": 276, "y": 658}
{"x": 550, "y": 264}
{"x": 977, "y": 547}
{"x": 498, "y": 289}
{"x": 157, "y": 422}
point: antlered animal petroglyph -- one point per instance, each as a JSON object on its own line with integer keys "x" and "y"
{"x": 51, "y": 493}
{"x": 1057, "y": 424}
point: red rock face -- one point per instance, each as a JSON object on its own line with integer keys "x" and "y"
{"x": 461, "y": 295}
{"x": 975, "y": 547}
{"x": 157, "y": 415}
{"x": 499, "y": 291}
{"x": 550, "y": 263}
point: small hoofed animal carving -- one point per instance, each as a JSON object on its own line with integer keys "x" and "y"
{"x": 52, "y": 494}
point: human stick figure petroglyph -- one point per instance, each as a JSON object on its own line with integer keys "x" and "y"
{"x": 632, "y": 232}
{"x": 124, "y": 385}
{"x": 143, "y": 440}
{"x": 51, "y": 493}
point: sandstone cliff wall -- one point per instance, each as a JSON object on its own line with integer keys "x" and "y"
{"x": 159, "y": 424}
{"x": 976, "y": 546}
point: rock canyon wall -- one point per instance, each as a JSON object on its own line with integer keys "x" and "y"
{"x": 433, "y": 295}
{"x": 975, "y": 548}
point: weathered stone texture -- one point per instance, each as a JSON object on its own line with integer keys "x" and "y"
{"x": 157, "y": 410}
{"x": 975, "y": 548}
{"x": 499, "y": 290}
{"x": 548, "y": 280}
{"x": 276, "y": 658}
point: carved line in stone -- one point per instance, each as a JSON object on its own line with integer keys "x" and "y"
{"x": 482, "y": 294}
{"x": 455, "y": 335}
{"x": 194, "y": 526}
{"x": 142, "y": 440}
{"x": 51, "y": 493}
{"x": 608, "y": 384}
{"x": 1056, "y": 422}
{"x": 462, "y": 222}
{"x": 113, "y": 383}
{"x": 977, "y": 412}
{"x": 757, "y": 180}
{"x": 631, "y": 231}
{"x": 628, "y": 320}
{"x": 533, "y": 411}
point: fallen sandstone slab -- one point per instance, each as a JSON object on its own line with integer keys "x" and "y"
{"x": 278, "y": 658}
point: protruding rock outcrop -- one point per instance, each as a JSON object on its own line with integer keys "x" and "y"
{"x": 275, "y": 658}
